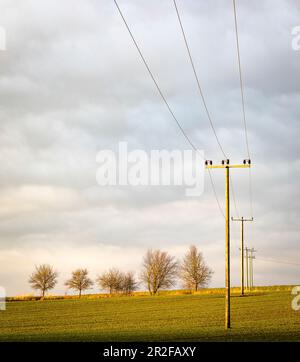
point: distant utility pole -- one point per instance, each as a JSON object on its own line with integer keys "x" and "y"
{"x": 242, "y": 220}
{"x": 251, "y": 257}
{"x": 247, "y": 267}
{"x": 225, "y": 164}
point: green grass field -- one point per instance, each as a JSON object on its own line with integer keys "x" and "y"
{"x": 263, "y": 316}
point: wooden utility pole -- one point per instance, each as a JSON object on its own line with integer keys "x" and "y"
{"x": 251, "y": 270}
{"x": 225, "y": 165}
{"x": 242, "y": 220}
{"x": 227, "y": 252}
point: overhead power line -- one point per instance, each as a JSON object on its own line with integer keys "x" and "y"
{"x": 233, "y": 196}
{"x": 243, "y": 102}
{"x": 204, "y": 101}
{"x": 250, "y": 192}
{"x": 215, "y": 193}
{"x": 197, "y": 80}
{"x": 241, "y": 78}
{"x": 279, "y": 261}
{"x": 154, "y": 80}
{"x": 165, "y": 100}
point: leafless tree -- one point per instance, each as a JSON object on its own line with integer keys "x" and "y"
{"x": 43, "y": 278}
{"x": 129, "y": 284}
{"x": 79, "y": 281}
{"x": 111, "y": 281}
{"x": 194, "y": 272}
{"x": 159, "y": 271}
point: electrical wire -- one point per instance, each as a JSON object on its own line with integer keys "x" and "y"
{"x": 241, "y": 78}
{"x": 154, "y": 80}
{"x": 250, "y": 191}
{"x": 197, "y": 79}
{"x": 243, "y": 102}
{"x": 278, "y": 261}
{"x": 215, "y": 193}
{"x": 165, "y": 100}
{"x": 234, "y": 198}
{"x": 204, "y": 101}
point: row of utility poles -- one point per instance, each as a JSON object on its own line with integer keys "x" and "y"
{"x": 246, "y": 253}
{"x": 249, "y": 256}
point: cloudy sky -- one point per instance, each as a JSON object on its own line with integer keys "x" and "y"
{"x": 72, "y": 84}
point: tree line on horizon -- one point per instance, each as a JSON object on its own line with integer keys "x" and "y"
{"x": 159, "y": 271}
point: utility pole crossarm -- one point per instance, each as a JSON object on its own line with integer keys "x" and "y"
{"x": 241, "y": 219}
{"x": 227, "y": 166}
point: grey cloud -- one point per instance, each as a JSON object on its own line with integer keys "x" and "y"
{"x": 72, "y": 83}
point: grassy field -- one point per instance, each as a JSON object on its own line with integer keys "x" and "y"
{"x": 261, "y": 316}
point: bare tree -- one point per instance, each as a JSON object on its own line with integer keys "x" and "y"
{"x": 43, "y": 278}
{"x": 159, "y": 271}
{"x": 129, "y": 284}
{"x": 193, "y": 270}
{"x": 79, "y": 281}
{"x": 111, "y": 281}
